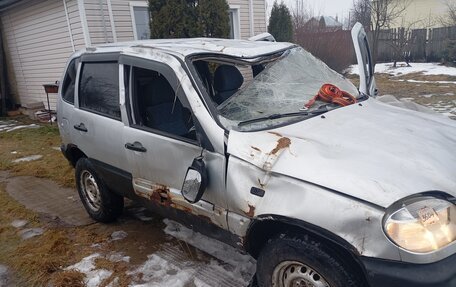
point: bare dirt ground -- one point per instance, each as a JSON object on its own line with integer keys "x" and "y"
{"x": 435, "y": 92}
{"x": 42, "y": 246}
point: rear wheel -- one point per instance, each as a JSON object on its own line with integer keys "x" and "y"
{"x": 100, "y": 203}
{"x": 299, "y": 261}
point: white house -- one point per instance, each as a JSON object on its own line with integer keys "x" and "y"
{"x": 39, "y": 35}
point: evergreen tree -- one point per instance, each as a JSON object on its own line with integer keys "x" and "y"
{"x": 280, "y": 24}
{"x": 189, "y": 18}
{"x": 213, "y": 18}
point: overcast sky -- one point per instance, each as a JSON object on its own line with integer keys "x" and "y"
{"x": 340, "y": 8}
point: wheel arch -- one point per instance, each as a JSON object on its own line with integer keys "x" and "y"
{"x": 266, "y": 227}
{"x": 73, "y": 154}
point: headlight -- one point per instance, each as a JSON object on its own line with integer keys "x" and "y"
{"x": 422, "y": 225}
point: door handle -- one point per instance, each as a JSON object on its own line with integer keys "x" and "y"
{"x": 81, "y": 127}
{"x": 136, "y": 146}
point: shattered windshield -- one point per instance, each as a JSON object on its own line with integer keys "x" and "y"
{"x": 265, "y": 95}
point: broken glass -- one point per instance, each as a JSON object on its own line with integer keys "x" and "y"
{"x": 284, "y": 86}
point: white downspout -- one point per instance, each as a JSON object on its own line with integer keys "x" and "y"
{"x": 252, "y": 29}
{"x": 85, "y": 28}
{"x": 111, "y": 20}
{"x": 103, "y": 20}
{"x": 68, "y": 24}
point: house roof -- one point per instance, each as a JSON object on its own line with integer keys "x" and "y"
{"x": 4, "y": 4}
{"x": 185, "y": 47}
{"x": 331, "y": 22}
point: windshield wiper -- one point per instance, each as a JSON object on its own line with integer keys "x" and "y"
{"x": 279, "y": 116}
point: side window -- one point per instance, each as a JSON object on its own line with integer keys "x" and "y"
{"x": 99, "y": 89}
{"x": 69, "y": 82}
{"x": 157, "y": 107}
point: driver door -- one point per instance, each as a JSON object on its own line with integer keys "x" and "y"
{"x": 160, "y": 141}
{"x": 367, "y": 83}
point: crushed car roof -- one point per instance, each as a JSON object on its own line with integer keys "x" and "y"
{"x": 185, "y": 47}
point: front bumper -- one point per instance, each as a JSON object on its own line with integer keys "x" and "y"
{"x": 387, "y": 273}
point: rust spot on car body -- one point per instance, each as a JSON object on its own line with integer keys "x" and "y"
{"x": 255, "y": 148}
{"x": 205, "y": 218}
{"x": 251, "y": 212}
{"x": 160, "y": 195}
{"x": 275, "y": 133}
{"x": 282, "y": 143}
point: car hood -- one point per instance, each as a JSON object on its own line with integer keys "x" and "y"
{"x": 372, "y": 151}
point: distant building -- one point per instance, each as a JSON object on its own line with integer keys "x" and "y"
{"x": 323, "y": 24}
{"x": 422, "y": 14}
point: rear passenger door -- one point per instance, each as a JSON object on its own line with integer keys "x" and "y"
{"x": 97, "y": 124}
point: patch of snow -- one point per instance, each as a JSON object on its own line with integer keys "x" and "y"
{"x": 405, "y": 104}
{"x": 118, "y": 235}
{"x": 87, "y": 266}
{"x": 56, "y": 148}
{"x": 31, "y": 232}
{"x": 31, "y": 126}
{"x": 428, "y": 82}
{"x": 14, "y": 152}
{"x": 139, "y": 213}
{"x": 402, "y": 69}
{"x": 157, "y": 272}
{"x": 19, "y": 223}
{"x": 28, "y": 158}
{"x": 243, "y": 264}
{"x": 117, "y": 257}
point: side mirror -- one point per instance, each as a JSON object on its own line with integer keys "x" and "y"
{"x": 195, "y": 182}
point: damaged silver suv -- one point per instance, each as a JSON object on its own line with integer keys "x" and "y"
{"x": 261, "y": 145}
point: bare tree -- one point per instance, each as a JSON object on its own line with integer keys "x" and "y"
{"x": 450, "y": 18}
{"x": 379, "y": 15}
{"x": 384, "y": 14}
{"x": 301, "y": 13}
{"x": 402, "y": 40}
{"x": 361, "y": 13}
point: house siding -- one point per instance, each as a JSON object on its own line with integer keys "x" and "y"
{"x": 122, "y": 20}
{"x": 38, "y": 45}
{"x": 422, "y": 14}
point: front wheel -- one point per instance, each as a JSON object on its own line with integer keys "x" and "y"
{"x": 100, "y": 203}
{"x": 289, "y": 261}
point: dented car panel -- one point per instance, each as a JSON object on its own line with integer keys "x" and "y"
{"x": 344, "y": 151}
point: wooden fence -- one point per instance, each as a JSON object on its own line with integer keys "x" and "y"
{"x": 419, "y": 44}
{"x": 336, "y": 48}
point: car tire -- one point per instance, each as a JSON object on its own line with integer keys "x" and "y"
{"x": 100, "y": 203}
{"x": 299, "y": 260}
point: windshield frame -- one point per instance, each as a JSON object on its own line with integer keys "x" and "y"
{"x": 223, "y": 58}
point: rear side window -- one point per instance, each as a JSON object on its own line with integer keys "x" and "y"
{"x": 99, "y": 89}
{"x": 69, "y": 82}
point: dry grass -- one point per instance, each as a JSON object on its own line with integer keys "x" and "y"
{"x": 68, "y": 278}
{"x": 41, "y": 141}
{"x": 40, "y": 260}
{"x": 119, "y": 269}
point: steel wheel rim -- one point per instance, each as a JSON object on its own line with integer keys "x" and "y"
{"x": 297, "y": 274}
{"x": 90, "y": 189}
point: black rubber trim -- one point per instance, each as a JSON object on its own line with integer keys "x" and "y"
{"x": 100, "y": 57}
{"x": 305, "y": 226}
{"x": 117, "y": 180}
{"x": 388, "y": 273}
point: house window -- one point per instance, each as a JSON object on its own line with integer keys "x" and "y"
{"x": 140, "y": 19}
{"x": 235, "y": 30}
